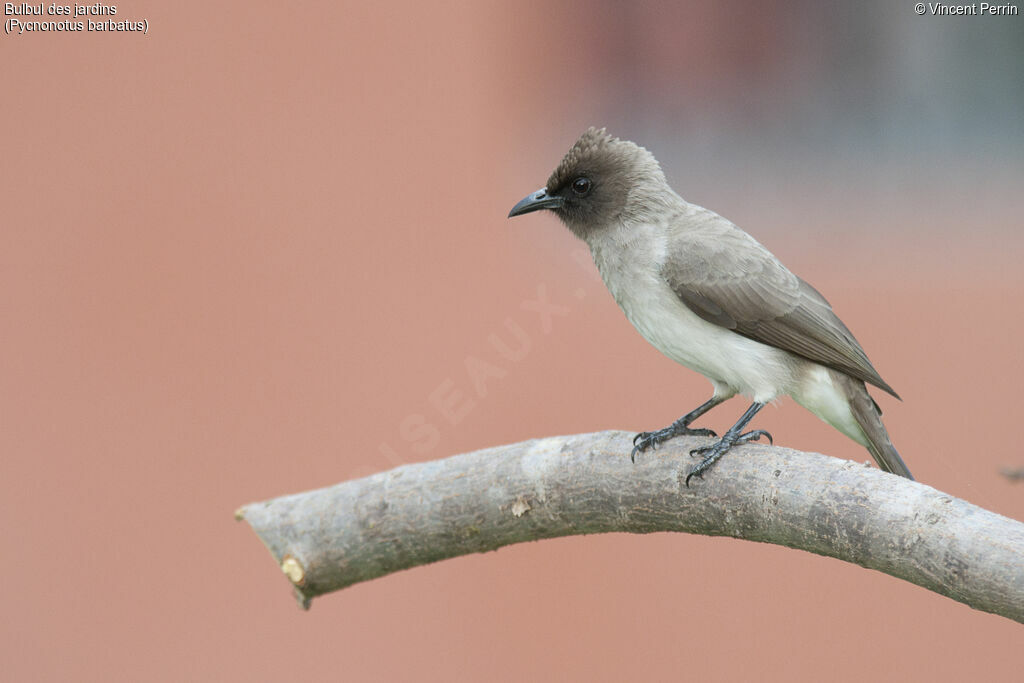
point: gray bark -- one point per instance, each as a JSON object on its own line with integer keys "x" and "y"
{"x": 358, "y": 530}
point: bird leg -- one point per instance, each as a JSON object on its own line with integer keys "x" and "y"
{"x": 645, "y": 440}
{"x": 732, "y": 437}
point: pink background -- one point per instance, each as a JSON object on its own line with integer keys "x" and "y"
{"x": 237, "y": 252}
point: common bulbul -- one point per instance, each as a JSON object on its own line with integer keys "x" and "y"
{"x": 711, "y": 297}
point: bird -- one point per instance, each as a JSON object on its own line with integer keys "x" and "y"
{"x": 709, "y": 296}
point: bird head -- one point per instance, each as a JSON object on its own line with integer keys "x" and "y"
{"x": 599, "y": 182}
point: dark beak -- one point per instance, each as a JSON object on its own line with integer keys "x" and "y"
{"x": 535, "y": 201}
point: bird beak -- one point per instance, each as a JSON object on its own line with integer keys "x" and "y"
{"x": 535, "y": 201}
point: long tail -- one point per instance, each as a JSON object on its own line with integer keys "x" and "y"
{"x": 868, "y": 415}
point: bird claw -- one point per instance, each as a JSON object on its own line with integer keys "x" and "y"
{"x": 718, "y": 449}
{"x": 645, "y": 440}
{"x": 755, "y": 435}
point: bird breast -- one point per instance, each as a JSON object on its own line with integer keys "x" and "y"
{"x": 630, "y": 258}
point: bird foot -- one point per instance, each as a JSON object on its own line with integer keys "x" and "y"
{"x": 716, "y": 450}
{"x": 645, "y": 440}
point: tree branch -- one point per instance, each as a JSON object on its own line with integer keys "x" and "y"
{"x": 334, "y": 537}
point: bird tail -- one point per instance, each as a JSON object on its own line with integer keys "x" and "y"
{"x": 869, "y": 416}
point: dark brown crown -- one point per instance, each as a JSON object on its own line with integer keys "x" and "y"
{"x": 588, "y": 148}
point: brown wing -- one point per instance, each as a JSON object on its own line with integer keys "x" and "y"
{"x": 727, "y": 278}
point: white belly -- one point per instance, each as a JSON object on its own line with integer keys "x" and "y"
{"x": 630, "y": 263}
{"x": 733, "y": 363}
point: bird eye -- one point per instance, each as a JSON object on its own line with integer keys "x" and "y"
{"x": 582, "y": 186}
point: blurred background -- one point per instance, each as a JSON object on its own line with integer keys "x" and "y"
{"x": 242, "y": 253}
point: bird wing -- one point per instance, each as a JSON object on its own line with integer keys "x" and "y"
{"x": 728, "y": 278}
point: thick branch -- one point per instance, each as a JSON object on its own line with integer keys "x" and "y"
{"x": 331, "y": 538}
